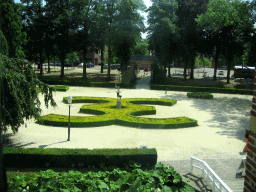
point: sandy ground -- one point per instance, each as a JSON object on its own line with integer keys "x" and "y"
{"x": 220, "y": 134}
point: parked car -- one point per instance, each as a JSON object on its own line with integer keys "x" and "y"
{"x": 57, "y": 63}
{"x": 221, "y": 73}
{"x": 105, "y": 66}
{"x": 114, "y": 66}
{"x": 146, "y": 69}
{"x": 89, "y": 65}
{"x": 80, "y": 65}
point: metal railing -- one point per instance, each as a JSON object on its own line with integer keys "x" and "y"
{"x": 212, "y": 177}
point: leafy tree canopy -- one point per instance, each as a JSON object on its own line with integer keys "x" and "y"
{"x": 19, "y": 98}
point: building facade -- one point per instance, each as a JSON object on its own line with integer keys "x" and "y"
{"x": 250, "y": 177}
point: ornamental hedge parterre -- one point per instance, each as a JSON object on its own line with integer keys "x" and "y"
{"x": 107, "y": 114}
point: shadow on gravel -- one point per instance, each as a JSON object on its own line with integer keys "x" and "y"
{"x": 43, "y": 146}
{"x": 232, "y": 115}
{"x": 173, "y": 95}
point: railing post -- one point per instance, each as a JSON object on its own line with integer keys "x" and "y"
{"x": 203, "y": 171}
{"x": 191, "y": 165}
{"x": 213, "y": 183}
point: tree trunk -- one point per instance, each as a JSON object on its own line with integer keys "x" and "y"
{"x": 3, "y": 178}
{"x": 109, "y": 61}
{"x": 84, "y": 63}
{"x": 102, "y": 58}
{"x": 229, "y": 66}
{"x": 192, "y": 65}
{"x": 216, "y": 61}
{"x": 185, "y": 71}
{"x": 62, "y": 60}
{"x": 169, "y": 70}
{"x": 49, "y": 68}
{"x": 41, "y": 63}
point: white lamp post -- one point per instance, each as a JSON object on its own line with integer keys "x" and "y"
{"x": 69, "y": 102}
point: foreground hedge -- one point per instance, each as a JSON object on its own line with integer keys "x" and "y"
{"x": 54, "y": 157}
{"x": 201, "y": 89}
{"x": 77, "y": 82}
{"x": 107, "y": 114}
{"x": 130, "y": 179}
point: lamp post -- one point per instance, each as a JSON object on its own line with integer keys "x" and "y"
{"x": 69, "y": 102}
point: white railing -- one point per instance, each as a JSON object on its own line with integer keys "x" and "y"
{"x": 212, "y": 177}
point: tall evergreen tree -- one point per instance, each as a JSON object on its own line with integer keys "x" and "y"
{"x": 11, "y": 26}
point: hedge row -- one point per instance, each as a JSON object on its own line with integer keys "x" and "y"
{"x": 54, "y": 157}
{"x": 108, "y": 114}
{"x": 201, "y": 95}
{"x": 60, "y": 88}
{"x": 201, "y": 89}
{"x": 76, "y": 82}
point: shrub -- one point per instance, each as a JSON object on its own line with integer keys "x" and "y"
{"x": 201, "y": 95}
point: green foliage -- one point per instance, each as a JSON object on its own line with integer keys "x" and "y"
{"x": 201, "y": 95}
{"x": 108, "y": 114}
{"x": 19, "y": 97}
{"x": 141, "y": 48}
{"x": 133, "y": 178}
{"x": 75, "y": 82}
{"x": 3, "y": 44}
{"x": 203, "y": 62}
{"x": 60, "y": 88}
{"x": 67, "y": 158}
{"x": 202, "y": 89}
{"x": 159, "y": 74}
{"x": 11, "y": 27}
{"x": 227, "y": 24}
{"x": 72, "y": 57}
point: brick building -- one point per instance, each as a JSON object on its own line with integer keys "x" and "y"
{"x": 250, "y": 177}
{"x": 91, "y": 55}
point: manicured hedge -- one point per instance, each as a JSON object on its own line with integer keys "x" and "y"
{"x": 60, "y": 88}
{"x": 54, "y": 157}
{"x": 201, "y": 95}
{"x": 202, "y": 89}
{"x": 77, "y": 82}
{"x": 108, "y": 114}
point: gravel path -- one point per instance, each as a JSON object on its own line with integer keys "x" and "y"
{"x": 220, "y": 134}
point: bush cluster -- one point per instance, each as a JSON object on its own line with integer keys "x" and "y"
{"x": 60, "y": 88}
{"x": 201, "y": 95}
{"x": 201, "y": 89}
{"x": 108, "y": 114}
{"x": 54, "y": 157}
{"x": 113, "y": 179}
{"x": 77, "y": 82}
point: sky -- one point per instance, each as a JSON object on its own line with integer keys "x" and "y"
{"x": 148, "y": 3}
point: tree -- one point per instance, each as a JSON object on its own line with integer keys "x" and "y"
{"x": 229, "y": 25}
{"x": 162, "y": 30}
{"x": 3, "y": 44}
{"x": 18, "y": 99}
{"x": 11, "y": 27}
{"x": 72, "y": 57}
{"x": 191, "y": 34}
{"x": 141, "y": 47}
{"x": 128, "y": 25}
